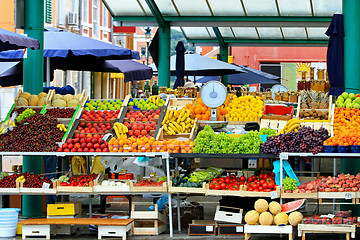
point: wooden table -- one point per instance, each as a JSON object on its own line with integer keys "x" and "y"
{"x": 349, "y": 230}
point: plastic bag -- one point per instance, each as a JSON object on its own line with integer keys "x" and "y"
{"x": 162, "y": 204}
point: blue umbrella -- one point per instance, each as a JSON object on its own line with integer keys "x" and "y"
{"x": 13, "y": 41}
{"x": 335, "y": 55}
{"x": 63, "y": 44}
{"x": 180, "y": 65}
{"x": 251, "y": 76}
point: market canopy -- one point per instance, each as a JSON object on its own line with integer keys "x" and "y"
{"x": 196, "y": 64}
{"x": 62, "y": 44}
{"x": 12, "y": 41}
{"x": 235, "y": 22}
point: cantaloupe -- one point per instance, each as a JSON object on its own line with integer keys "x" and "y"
{"x": 33, "y": 101}
{"x": 42, "y": 94}
{"x": 58, "y": 103}
{"x": 266, "y": 218}
{"x": 274, "y": 207}
{"x": 78, "y": 97}
{"x": 42, "y": 101}
{"x": 281, "y": 219}
{"x": 261, "y": 205}
{"x": 22, "y": 102}
{"x": 68, "y": 97}
{"x": 25, "y": 95}
{"x": 251, "y": 217}
{"x": 295, "y": 218}
{"x": 72, "y": 103}
{"x": 57, "y": 96}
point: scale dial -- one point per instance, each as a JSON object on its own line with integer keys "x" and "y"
{"x": 213, "y": 94}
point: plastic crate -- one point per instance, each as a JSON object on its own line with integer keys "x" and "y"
{"x": 329, "y": 149}
{"x": 343, "y": 149}
{"x": 355, "y": 149}
{"x": 278, "y": 112}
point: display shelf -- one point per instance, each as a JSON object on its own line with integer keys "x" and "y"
{"x": 206, "y": 155}
{"x": 349, "y": 230}
{"x": 101, "y": 154}
{"x": 187, "y": 190}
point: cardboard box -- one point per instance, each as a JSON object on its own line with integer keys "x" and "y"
{"x": 231, "y": 229}
{"x": 202, "y": 228}
{"x": 64, "y": 209}
{"x": 228, "y": 214}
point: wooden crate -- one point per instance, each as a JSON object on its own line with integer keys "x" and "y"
{"x": 274, "y": 124}
{"x": 212, "y": 192}
{"x": 98, "y": 188}
{"x": 337, "y": 195}
{"x": 231, "y": 229}
{"x": 187, "y": 190}
{"x": 299, "y": 195}
{"x": 146, "y": 214}
{"x": 64, "y": 209}
{"x": 145, "y": 189}
{"x": 242, "y": 122}
{"x": 329, "y": 109}
{"x": 202, "y": 227}
{"x": 9, "y": 190}
{"x": 260, "y": 194}
{"x": 69, "y": 189}
{"x": 148, "y": 227}
{"x": 273, "y": 229}
{"x": 179, "y": 103}
{"x": 349, "y": 230}
{"x": 191, "y": 136}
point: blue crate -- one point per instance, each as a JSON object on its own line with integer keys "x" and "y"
{"x": 329, "y": 149}
{"x": 355, "y": 149}
{"x": 343, "y": 149}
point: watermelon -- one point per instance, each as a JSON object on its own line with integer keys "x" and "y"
{"x": 292, "y": 206}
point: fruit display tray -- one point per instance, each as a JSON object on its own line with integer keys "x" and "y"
{"x": 299, "y": 195}
{"x": 163, "y": 188}
{"x": 187, "y": 190}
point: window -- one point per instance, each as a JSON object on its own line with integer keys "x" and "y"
{"x": 48, "y": 11}
{"x": 95, "y": 19}
{"x": 105, "y": 18}
{"x": 85, "y": 10}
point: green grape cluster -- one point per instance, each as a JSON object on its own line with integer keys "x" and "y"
{"x": 209, "y": 142}
{"x": 267, "y": 131}
{"x": 25, "y": 114}
{"x": 289, "y": 183}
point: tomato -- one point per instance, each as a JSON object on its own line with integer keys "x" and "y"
{"x": 256, "y": 190}
{"x": 221, "y": 179}
{"x": 269, "y": 180}
{"x": 232, "y": 189}
{"x": 227, "y": 180}
{"x": 255, "y": 186}
{"x": 260, "y": 188}
{"x": 242, "y": 179}
{"x": 266, "y": 176}
{"x": 250, "y": 189}
{"x": 211, "y": 186}
{"x": 233, "y": 176}
{"x": 215, "y": 180}
{"x": 271, "y": 185}
{"x": 217, "y": 187}
{"x": 261, "y": 176}
{"x": 272, "y": 174}
{"x": 264, "y": 185}
{"x": 250, "y": 179}
{"x": 267, "y": 190}
{"x": 262, "y": 181}
{"x": 223, "y": 185}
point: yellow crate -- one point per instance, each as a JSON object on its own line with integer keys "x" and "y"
{"x": 64, "y": 209}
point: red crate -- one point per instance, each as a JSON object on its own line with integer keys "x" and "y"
{"x": 278, "y": 112}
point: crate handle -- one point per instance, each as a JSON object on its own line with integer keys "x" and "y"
{"x": 60, "y": 208}
{"x": 229, "y": 215}
{"x": 111, "y": 232}
{"x": 35, "y": 231}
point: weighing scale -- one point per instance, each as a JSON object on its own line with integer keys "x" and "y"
{"x": 278, "y": 88}
{"x": 213, "y": 94}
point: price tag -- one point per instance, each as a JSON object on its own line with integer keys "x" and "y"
{"x": 273, "y": 195}
{"x": 209, "y": 228}
{"x": 348, "y": 195}
{"x": 46, "y": 185}
{"x": 239, "y": 229}
{"x": 284, "y": 156}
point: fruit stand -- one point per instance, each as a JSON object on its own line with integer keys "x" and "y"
{"x": 177, "y": 128}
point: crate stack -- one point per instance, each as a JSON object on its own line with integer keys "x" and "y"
{"x": 148, "y": 222}
{"x": 64, "y": 210}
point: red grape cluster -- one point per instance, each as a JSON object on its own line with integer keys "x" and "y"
{"x": 305, "y": 140}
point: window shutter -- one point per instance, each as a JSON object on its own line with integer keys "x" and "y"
{"x": 48, "y": 14}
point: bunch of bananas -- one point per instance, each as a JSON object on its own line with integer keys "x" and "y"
{"x": 292, "y": 125}
{"x": 20, "y": 179}
{"x": 120, "y": 130}
{"x": 173, "y": 124}
{"x": 8, "y": 123}
{"x": 155, "y": 99}
{"x": 61, "y": 127}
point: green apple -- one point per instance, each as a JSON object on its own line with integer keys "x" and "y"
{"x": 352, "y": 96}
{"x": 340, "y": 105}
{"x": 357, "y": 105}
{"x": 348, "y": 100}
{"x": 341, "y": 99}
{"x": 357, "y": 100}
{"x": 348, "y": 105}
{"x": 345, "y": 95}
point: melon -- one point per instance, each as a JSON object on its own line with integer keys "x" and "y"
{"x": 295, "y": 218}
{"x": 33, "y": 101}
{"x": 274, "y": 207}
{"x": 42, "y": 94}
{"x": 78, "y": 97}
{"x": 25, "y": 95}
{"x": 261, "y": 205}
{"x": 42, "y": 101}
{"x": 292, "y": 206}
{"x": 266, "y": 218}
{"x": 72, "y": 103}
{"x": 68, "y": 97}
{"x": 251, "y": 217}
{"x": 22, "y": 102}
{"x": 58, "y": 103}
{"x": 281, "y": 219}
{"x": 57, "y": 96}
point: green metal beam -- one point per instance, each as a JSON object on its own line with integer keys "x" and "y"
{"x": 269, "y": 41}
{"x": 156, "y": 12}
{"x": 164, "y": 56}
{"x": 218, "y": 18}
{"x": 219, "y": 37}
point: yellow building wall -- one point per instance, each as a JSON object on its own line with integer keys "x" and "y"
{"x": 7, "y": 15}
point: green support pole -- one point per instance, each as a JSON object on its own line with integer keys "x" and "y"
{"x": 33, "y": 83}
{"x": 164, "y": 55}
{"x": 351, "y": 9}
{"x": 224, "y": 52}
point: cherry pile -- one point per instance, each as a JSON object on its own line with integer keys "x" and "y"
{"x": 32, "y": 181}
{"x": 306, "y": 140}
{"x": 21, "y": 109}
{"x": 61, "y": 112}
{"x": 34, "y": 134}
